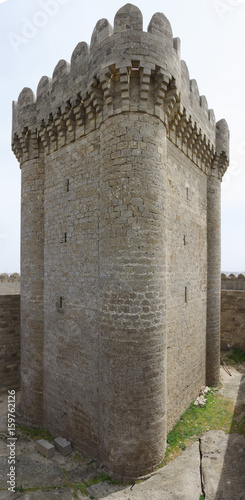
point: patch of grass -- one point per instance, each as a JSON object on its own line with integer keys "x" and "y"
{"x": 36, "y": 434}
{"x": 91, "y": 462}
{"x": 38, "y": 488}
{"x": 202, "y": 497}
{"x": 82, "y": 487}
{"x": 235, "y": 355}
{"x": 217, "y": 414}
{"x": 20, "y": 489}
{"x": 78, "y": 457}
{"x": 65, "y": 475}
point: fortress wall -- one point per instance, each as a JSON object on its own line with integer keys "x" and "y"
{"x": 9, "y": 285}
{"x": 104, "y": 246}
{"x": 233, "y": 319}
{"x": 32, "y": 277}
{"x": 233, "y": 311}
{"x": 9, "y": 342}
{"x": 186, "y": 282}
{"x": 71, "y": 249}
{"x": 232, "y": 282}
{"x": 133, "y": 294}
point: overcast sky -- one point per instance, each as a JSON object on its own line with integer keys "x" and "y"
{"x": 212, "y": 34}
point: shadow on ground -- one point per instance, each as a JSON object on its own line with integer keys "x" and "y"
{"x": 232, "y": 478}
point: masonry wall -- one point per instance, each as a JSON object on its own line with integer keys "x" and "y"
{"x": 186, "y": 281}
{"x": 10, "y": 342}
{"x": 233, "y": 312}
{"x": 71, "y": 292}
{"x": 9, "y": 332}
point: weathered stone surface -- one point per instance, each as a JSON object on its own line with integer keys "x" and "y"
{"x": 233, "y": 387}
{"x": 121, "y": 164}
{"x": 233, "y": 318}
{"x": 9, "y": 341}
{"x": 45, "y": 448}
{"x": 178, "y": 480}
{"x": 223, "y": 466}
{"x": 62, "y": 445}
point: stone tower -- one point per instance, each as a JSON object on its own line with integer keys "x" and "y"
{"x": 121, "y": 163}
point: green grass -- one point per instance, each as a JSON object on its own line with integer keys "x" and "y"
{"x": 82, "y": 487}
{"x": 217, "y": 414}
{"x": 36, "y": 434}
{"x": 235, "y": 356}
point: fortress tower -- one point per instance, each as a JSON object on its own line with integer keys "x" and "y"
{"x": 121, "y": 163}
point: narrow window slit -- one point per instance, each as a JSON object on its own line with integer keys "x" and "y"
{"x": 65, "y": 238}
{"x": 61, "y": 302}
{"x": 186, "y": 294}
{"x": 67, "y": 185}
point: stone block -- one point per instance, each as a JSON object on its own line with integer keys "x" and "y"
{"x": 62, "y": 445}
{"x": 45, "y": 448}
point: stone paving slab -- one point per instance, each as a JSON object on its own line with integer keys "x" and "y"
{"x": 223, "y": 466}
{"x": 63, "y": 494}
{"x": 178, "y": 480}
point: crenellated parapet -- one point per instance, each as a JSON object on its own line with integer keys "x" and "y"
{"x": 9, "y": 284}
{"x": 12, "y": 278}
{"x": 232, "y": 282}
{"x": 123, "y": 70}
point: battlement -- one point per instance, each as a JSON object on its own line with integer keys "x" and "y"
{"x": 9, "y": 284}
{"x": 232, "y": 282}
{"x": 123, "y": 70}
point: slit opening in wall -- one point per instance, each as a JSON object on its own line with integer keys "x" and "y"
{"x": 67, "y": 185}
{"x": 187, "y": 193}
{"x": 65, "y": 237}
{"x": 184, "y": 239}
{"x": 60, "y": 305}
{"x": 185, "y": 294}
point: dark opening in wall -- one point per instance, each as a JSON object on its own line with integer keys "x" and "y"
{"x": 186, "y": 294}
{"x": 67, "y": 185}
{"x": 60, "y": 305}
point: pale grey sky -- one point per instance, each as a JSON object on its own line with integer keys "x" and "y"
{"x": 36, "y": 34}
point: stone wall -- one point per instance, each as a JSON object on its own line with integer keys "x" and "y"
{"x": 233, "y": 311}
{"x": 186, "y": 281}
{"x": 9, "y": 285}
{"x": 121, "y": 163}
{"x": 9, "y": 342}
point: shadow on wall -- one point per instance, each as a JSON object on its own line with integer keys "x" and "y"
{"x": 232, "y": 478}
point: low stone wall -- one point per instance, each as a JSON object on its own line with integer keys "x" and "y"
{"x": 232, "y": 282}
{"x": 233, "y": 311}
{"x": 9, "y": 332}
{"x": 9, "y": 285}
